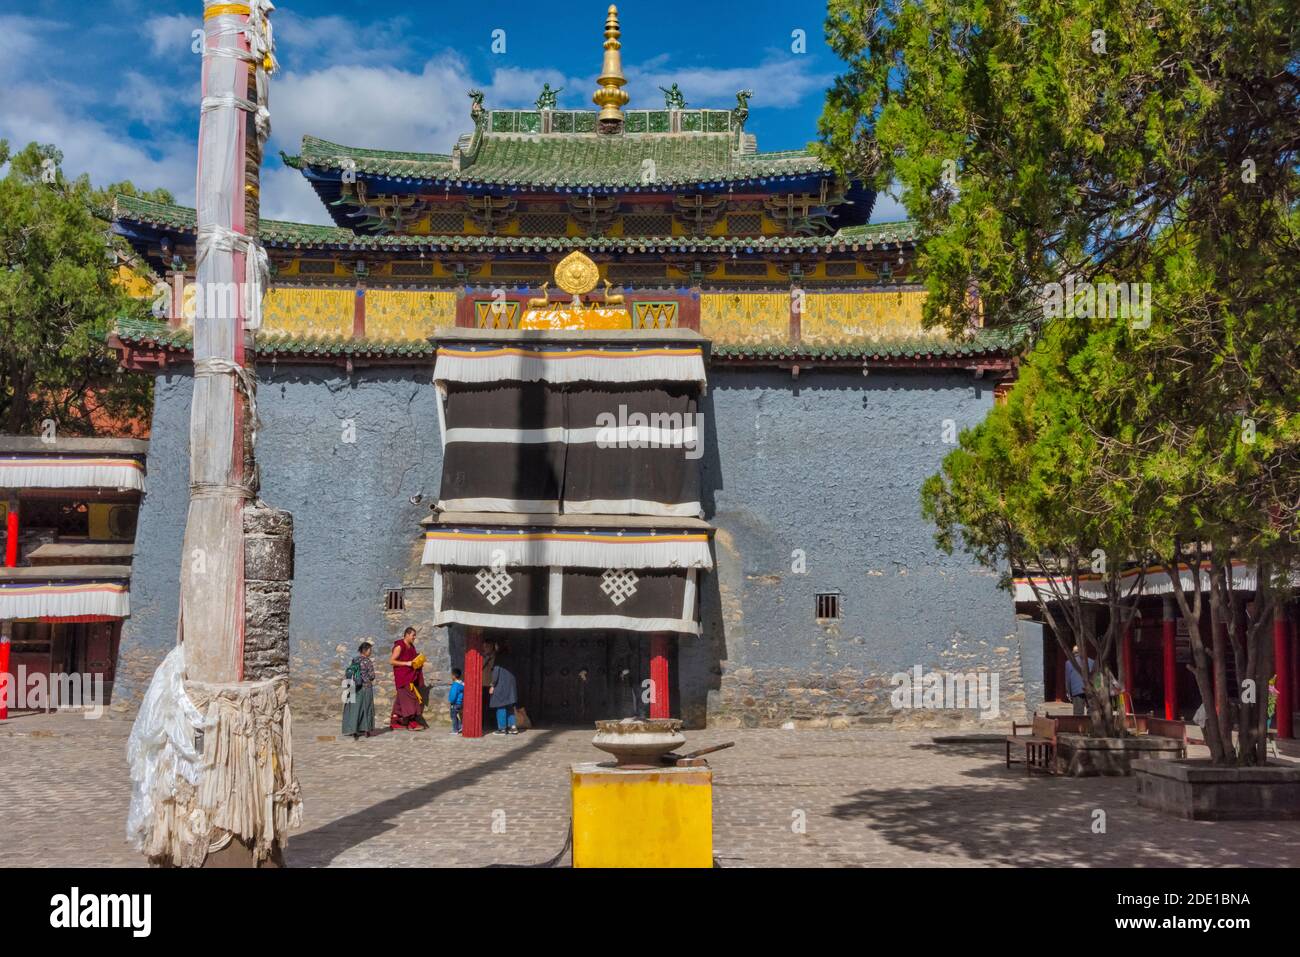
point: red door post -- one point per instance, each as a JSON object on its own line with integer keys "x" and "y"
{"x": 472, "y": 713}
{"x": 6, "y": 682}
{"x": 1168, "y": 632}
{"x": 11, "y": 533}
{"x": 659, "y": 694}
{"x": 1282, "y": 666}
{"x": 11, "y": 561}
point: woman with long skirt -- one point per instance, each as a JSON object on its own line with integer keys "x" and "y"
{"x": 359, "y": 713}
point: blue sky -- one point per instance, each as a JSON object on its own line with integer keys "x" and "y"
{"x": 115, "y": 84}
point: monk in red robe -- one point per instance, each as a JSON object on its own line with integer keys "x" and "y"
{"x": 408, "y": 676}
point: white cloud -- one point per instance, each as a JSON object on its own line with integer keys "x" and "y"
{"x": 21, "y": 42}
{"x": 383, "y": 106}
{"x": 90, "y": 145}
{"x": 780, "y": 82}
{"x": 333, "y": 40}
{"x": 172, "y": 36}
{"x": 287, "y": 195}
{"x": 146, "y": 100}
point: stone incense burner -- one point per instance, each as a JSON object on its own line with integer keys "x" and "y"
{"x": 639, "y": 742}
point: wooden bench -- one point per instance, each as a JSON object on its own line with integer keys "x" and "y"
{"x": 1039, "y": 744}
{"x": 1164, "y": 728}
{"x": 1015, "y": 737}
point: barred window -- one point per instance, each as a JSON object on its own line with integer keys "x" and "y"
{"x": 828, "y": 606}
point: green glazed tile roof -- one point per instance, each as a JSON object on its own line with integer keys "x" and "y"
{"x": 986, "y": 343}
{"x": 276, "y": 233}
{"x": 571, "y": 160}
{"x": 277, "y": 344}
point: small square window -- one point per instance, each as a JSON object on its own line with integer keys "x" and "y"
{"x": 828, "y": 606}
{"x": 395, "y": 599}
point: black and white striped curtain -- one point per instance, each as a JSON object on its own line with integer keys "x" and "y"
{"x": 580, "y": 448}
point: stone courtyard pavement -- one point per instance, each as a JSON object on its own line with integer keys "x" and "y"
{"x": 864, "y": 798}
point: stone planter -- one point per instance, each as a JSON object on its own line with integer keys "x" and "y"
{"x": 1080, "y": 756}
{"x": 1199, "y": 791}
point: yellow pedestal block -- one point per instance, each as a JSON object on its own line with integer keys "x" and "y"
{"x": 655, "y": 818}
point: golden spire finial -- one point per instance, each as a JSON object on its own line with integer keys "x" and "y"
{"x": 611, "y": 95}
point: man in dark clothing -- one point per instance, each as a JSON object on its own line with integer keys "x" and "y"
{"x": 504, "y": 696}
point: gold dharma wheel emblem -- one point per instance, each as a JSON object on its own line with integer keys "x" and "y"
{"x": 576, "y": 274}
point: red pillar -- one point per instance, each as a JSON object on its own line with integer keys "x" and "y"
{"x": 11, "y": 561}
{"x": 359, "y": 312}
{"x": 1168, "y": 632}
{"x": 1282, "y": 667}
{"x": 1294, "y": 630}
{"x": 11, "y": 534}
{"x": 659, "y": 695}
{"x": 5, "y": 680}
{"x": 472, "y": 715}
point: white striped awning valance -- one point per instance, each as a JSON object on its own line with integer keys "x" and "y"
{"x": 470, "y": 363}
{"x": 56, "y": 471}
{"x": 64, "y": 599}
{"x": 1155, "y": 581}
{"x": 570, "y": 547}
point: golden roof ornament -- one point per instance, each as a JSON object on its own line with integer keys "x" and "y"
{"x": 611, "y": 96}
{"x": 577, "y": 274}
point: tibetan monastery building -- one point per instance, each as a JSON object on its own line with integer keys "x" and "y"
{"x": 614, "y": 391}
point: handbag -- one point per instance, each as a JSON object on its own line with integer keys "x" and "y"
{"x": 521, "y": 719}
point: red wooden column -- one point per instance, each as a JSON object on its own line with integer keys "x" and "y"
{"x": 660, "y": 699}
{"x": 472, "y": 714}
{"x": 11, "y": 533}
{"x": 1168, "y": 633}
{"x": 5, "y": 680}
{"x": 359, "y": 311}
{"x": 11, "y": 561}
{"x": 1282, "y": 667}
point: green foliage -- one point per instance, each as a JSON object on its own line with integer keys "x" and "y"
{"x": 1073, "y": 131}
{"x": 1104, "y": 141}
{"x": 58, "y": 298}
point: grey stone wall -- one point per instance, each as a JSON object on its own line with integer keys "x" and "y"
{"x": 829, "y": 464}
{"x": 345, "y": 457}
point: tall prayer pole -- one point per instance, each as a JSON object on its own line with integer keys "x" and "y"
{"x": 231, "y": 797}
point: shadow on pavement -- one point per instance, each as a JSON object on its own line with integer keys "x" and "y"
{"x": 1044, "y": 821}
{"x": 318, "y": 847}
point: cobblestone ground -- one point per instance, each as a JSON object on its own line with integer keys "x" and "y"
{"x": 428, "y": 799}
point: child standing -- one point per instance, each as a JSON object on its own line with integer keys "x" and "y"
{"x": 456, "y": 699}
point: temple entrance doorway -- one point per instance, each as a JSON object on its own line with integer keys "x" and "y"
{"x": 575, "y": 678}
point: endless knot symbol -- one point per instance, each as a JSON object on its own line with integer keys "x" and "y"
{"x": 619, "y": 584}
{"x": 494, "y": 584}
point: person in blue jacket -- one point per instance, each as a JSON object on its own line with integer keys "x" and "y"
{"x": 456, "y": 699}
